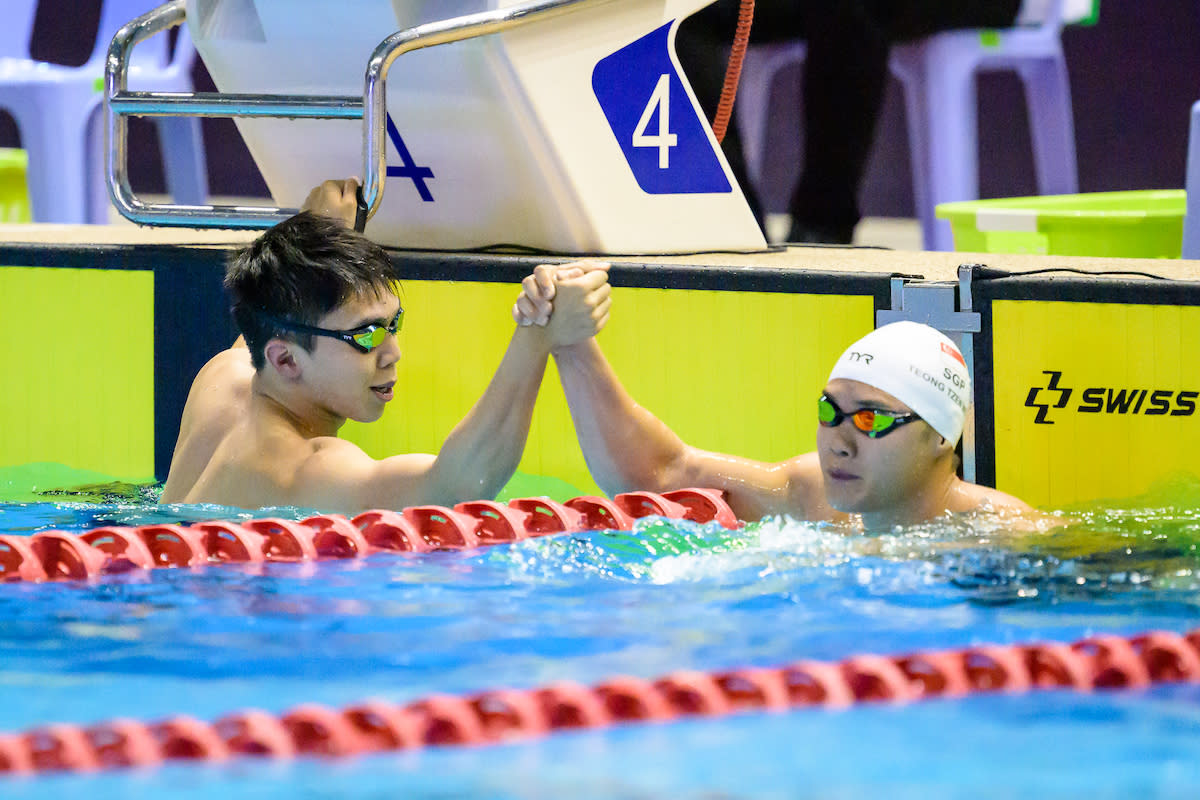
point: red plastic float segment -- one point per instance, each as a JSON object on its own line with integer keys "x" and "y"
{"x": 60, "y": 747}
{"x": 816, "y": 683}
{"x": 14, "y": 754}
{"x": 567, "y": 705}
{"x": 184, "y": 737}
{"x": 934, "y": 674}
{"x": 545, "y": 516}
{"x": 444, "y": 719}
{"x": 705, "y": 505}
{"x": 443, "y": 528}
{"x": 390, "y": 531}
{"x": 600, "y": 514}
{"x": 123, "y": 546}
{"x": 18, "y": 561}
{"x": 255, "y": 733}
{"x": 753, "y": 688}
{"x": 385, "y": 726}
{"x": 508, "y": 714}
{"x": 495, "y": 523}
{"x": 1168, "y": 657}
{"x": 124, "y": 743}
{"x": 990, "y": 668}
{"x": 231, "y": 542}
{"x": 285, "y": 540}
{"x": 875, "y": 678}
{"x": 649, "y": 504}
{"x": 335, "y": 536}
{"x": 321, "y": 731}
{"x": 65, "y": 556}
{"x": 627, "y": 698}
{"x": 689, "y": 692}
{"x": 1052, "y": 664}
{"x": 174, "y": 545}
{"x": 1113, "y": 661}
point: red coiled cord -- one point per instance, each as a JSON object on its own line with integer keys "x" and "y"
{"x": 733, "y": 72}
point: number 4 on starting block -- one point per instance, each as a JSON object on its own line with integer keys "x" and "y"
{"x": 408, "y": 168}
{"x": 664, "y": 140}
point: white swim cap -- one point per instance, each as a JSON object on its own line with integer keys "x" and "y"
{"x": 917, "y": 365}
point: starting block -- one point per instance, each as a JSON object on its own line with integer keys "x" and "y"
{"x": 564, "y": 125}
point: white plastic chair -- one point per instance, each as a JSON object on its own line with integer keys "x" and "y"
{"x": 938, "y": 77}
{"x": 55, "y": 108}
{"x": 1191, "y": 219}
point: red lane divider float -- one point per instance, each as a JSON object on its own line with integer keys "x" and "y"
{"x": 500, "y": 715}
{"x": 56, "y": 555}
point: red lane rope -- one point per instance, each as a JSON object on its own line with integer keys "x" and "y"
{"x": 733, "y": 71}
{"x": 58, "y": 555}
{"x": 500, "y": 715}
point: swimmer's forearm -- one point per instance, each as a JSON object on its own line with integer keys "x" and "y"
{"x": 625, "y": 446}
{"x": 482, "y": 452}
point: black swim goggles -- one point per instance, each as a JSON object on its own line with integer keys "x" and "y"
{"x": 871, "y": 421}
{"x": 364, "y": 339}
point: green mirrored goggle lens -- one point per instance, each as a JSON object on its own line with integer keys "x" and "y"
{"x": 826, "y": 413}
{"x": 879, "y": 422}
{"x": 372, "y": 338}
{"x": 375, "y": 335}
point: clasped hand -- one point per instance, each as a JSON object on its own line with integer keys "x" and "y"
{"x": 571, "y": 301}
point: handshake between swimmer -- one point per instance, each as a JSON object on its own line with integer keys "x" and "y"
{"x": 577, "y": 282}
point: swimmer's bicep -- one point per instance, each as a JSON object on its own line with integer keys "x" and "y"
{"x": 752, "y": 488}
{"x": 345, "y": 477}
{"x": 402, "y": 480}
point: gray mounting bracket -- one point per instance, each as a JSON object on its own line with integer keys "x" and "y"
{"x": 947, "y": 307}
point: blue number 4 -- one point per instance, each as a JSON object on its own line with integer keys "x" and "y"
{"x": 409, "y": 169}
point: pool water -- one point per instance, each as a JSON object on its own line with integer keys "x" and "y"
{"x": 669, "y": 595}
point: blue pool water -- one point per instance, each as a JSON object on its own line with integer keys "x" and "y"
{"x": 585, "y": 607}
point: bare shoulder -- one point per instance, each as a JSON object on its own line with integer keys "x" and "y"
{"x": 216, "y": 404}
{"x": 224, "y": 380}
{"x": 226, "y": 368}
{"x": 807, "y": 487}
{"x": 972, "y": 497}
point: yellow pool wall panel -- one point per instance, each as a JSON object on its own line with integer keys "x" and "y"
{"x": 78, "y": 353}
{"x": 1131, "y": 418}
{"x": 735, "y": 372}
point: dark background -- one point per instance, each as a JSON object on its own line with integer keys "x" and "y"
{"x": 1134, "y": 76}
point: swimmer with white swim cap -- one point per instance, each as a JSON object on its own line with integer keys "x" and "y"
{"x": 888, "y": 420}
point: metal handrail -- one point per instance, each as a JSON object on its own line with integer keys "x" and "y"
{"x": 371, "y": 107}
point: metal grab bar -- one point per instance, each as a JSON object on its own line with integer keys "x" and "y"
{"x": 371, "y": 107}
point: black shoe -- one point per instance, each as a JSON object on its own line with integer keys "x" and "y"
{"x": 808, "y": 233}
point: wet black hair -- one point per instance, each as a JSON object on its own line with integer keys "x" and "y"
{"x": 300, "y": 270}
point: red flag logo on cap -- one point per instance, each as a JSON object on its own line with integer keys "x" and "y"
{"x": 953, "y": 352}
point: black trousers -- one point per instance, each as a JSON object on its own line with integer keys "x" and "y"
{"x": 845, "y": 75}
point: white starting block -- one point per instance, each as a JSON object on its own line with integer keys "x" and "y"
{"x": 574, "y": 131}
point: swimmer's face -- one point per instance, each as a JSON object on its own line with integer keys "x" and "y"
{"x": 865, "y": 475}
{"x": 348, "y": 383}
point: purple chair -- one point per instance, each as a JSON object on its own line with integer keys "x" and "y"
{"x": 938, "y": 77}
{"x": 1191, "y": 220}
{"x": 55, "y": 110}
